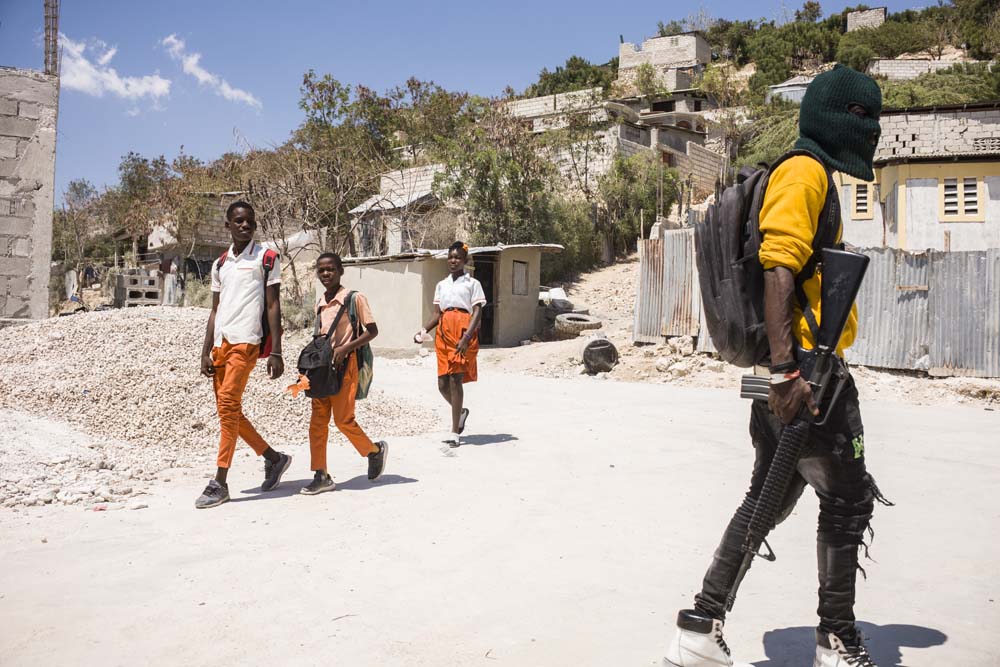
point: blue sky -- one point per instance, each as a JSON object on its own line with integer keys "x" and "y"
{"x": 214, "y": 76}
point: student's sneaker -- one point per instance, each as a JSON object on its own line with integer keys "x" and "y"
{"x": 321, "y": 482}
{"x": 832, "y": 651}
{"x": 461, "y": 420}
{"x": 376, "y": 460}
{"x": 699, "y": 643}
{"x": 274, "y": 471}
{"x": 214, "y": 495}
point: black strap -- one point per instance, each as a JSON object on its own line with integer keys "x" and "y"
{"x": 333, "y": 327}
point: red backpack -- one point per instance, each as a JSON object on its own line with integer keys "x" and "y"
{"x": 268, "y": 259}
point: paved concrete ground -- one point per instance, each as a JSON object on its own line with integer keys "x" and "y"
{"x": 579, "y": 517}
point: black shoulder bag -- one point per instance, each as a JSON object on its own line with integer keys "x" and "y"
{"x": 316, "y": 361}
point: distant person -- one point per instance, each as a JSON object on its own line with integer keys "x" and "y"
{"x": 246, "y": 311}
{"x": 458, "y": 311}
{"x": 332, "y": 308}
{"x": 838, "y": 131}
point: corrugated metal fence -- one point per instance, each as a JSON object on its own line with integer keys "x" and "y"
{"x": 933, "y": 311}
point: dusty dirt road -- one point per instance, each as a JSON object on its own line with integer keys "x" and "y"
{"x": 578, "y": 519}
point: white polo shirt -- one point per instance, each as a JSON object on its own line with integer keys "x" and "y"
{"x": 240, "y": 284}
{"x": 464, "y": 292}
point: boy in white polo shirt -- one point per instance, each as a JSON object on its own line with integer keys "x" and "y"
{"x": 458, "y": 311}
{"x": 245, "y": 285}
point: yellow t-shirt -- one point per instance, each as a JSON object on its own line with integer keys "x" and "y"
{"x": 789, "y": 218}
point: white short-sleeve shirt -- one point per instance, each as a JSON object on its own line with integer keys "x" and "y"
{"x": 464, "y": 292}
{"x": 240, "y": 284}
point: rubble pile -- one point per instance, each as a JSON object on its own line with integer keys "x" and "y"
{"x": 129, "y": 381}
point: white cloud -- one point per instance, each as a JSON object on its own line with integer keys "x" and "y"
{"x": 95, "y": 77}
{"x": 191, "y": 64}
{"x": 108, "y": 55}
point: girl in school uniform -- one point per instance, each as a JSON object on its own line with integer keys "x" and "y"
{"x": 458, "y": 310}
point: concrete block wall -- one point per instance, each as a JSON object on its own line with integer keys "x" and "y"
{"x": 938, "y": 133}
{"x": 28, "y": 105}
{"x": 546, "y": 105}
{"x": 691, "y": 50}
{"x": 401, "y": 182}
{"x": 704, "y": 167}
{"x": 869, "y": 18}
{"x": 904, "y": 70}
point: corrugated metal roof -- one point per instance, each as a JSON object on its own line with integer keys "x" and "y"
{"x": 794, "y": 81}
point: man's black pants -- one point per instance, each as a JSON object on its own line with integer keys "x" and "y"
{"x": 833, "y": 463}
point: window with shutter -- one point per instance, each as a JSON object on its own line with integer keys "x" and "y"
{"x": 861, "y": 198}
{"x": 960, "y": 199}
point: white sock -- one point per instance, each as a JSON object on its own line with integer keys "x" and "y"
{"x": 454, "y": 437}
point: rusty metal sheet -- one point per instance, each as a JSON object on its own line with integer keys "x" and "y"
{"x": 681, "y": 303}
{"x": 892, "y": 311}
{"x": 965, "y": 313}
{"x": 647, "y": 326}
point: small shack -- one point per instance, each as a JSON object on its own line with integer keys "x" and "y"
{"x": 400, "y": 289}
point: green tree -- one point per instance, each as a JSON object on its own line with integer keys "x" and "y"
{"x": 648, "y": 82}
{"x": 495, "y": 171}
{"x": 577, "y": 74}
{"x": 633, "y": 192}
{"x": 810, "y": 12}
{"x": 962, "y": 84}
{"x": 670, "y": 28}
{"x": 974, "y": 19}
{"x": 773, "y": 132}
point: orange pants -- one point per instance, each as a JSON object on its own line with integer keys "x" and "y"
{"x": 233, "y": 365}
{"x": 341, "y": 407}
{"x": 451, "y": 328}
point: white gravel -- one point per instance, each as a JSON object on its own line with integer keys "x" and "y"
{"x": 129, "y": 382}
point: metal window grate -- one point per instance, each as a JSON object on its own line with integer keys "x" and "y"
{"x": 951, "y": 196}
{"x": 970, "y": 196}
{"x": 861, "y": 198}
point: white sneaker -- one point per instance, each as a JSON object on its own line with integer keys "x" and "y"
{"x": 699, "y": 643}
{"x": 832, "y": 652}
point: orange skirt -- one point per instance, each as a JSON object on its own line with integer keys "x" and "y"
{"x": 453, "y": 325}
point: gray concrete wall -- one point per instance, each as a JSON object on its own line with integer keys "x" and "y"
{"x": 398, "y": 298}
{"x": 904, "y": 70}
{"x": 704, "y": 167}
{"x": 870, "y": 18}
{"x": 924, "y": 228}
{"x": 861, "y": 233}
{"x": 516, "y": 313}
{"x": 28, "y": 105}
{"x": 666, "y": 52}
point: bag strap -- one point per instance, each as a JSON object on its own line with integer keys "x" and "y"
{"x": 333, "y": 327}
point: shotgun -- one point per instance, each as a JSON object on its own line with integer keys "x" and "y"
{"x": 842, "y": 275}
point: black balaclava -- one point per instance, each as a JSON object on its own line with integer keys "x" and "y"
{"x": 841, "y": 139}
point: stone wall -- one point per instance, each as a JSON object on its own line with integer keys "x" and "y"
{"x": 869, "y": 18}
{"x": 546, "y": 105}
{"x": 904, "y": 70}
{"x": 939, "y": 133}
{"x": 28, "y": 104}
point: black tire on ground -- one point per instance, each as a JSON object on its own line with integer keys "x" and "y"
{"x": 573, "y": 323}
{"x": 600, "y": 356}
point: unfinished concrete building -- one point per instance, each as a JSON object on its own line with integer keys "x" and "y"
{"x": 28, "y": 107}
{"x": 867, "y": 18}
{"x": 676, "y": 60}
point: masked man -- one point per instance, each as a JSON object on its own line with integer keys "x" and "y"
{"x": 839, "y": 131}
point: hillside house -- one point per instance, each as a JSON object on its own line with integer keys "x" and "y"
{"x": 937, "y": 182}
{"x": 676, "y": 59}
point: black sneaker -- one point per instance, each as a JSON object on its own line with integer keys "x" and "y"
{"x": 321, "y": 482}
{"x": 461, "y": 420}
{"x": 376, "y": 460}
{"x": 214, "y": 495}
{"x": 274, "y": 471}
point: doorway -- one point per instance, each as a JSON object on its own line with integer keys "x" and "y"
{"x": 487, "y": 265}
